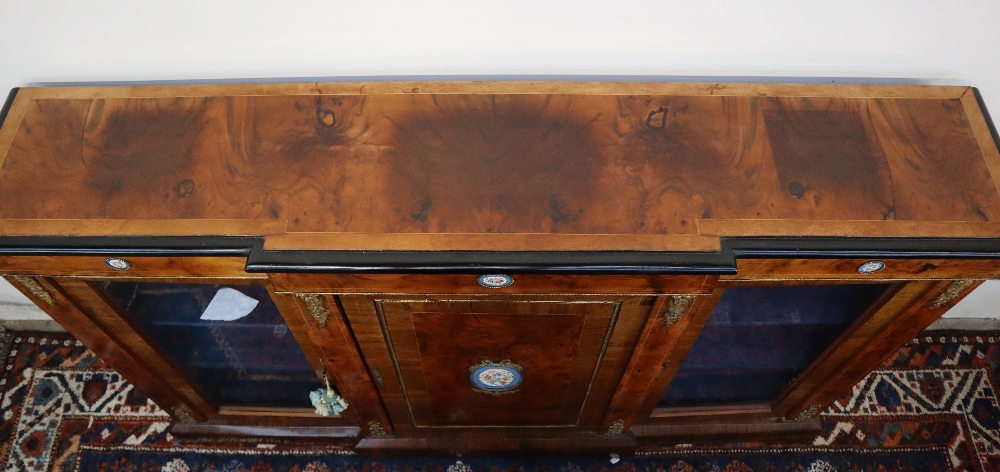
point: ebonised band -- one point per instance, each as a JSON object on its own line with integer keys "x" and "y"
{"x": 575, "y": 262}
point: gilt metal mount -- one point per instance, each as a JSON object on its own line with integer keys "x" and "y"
{"x": 317, "y": 309}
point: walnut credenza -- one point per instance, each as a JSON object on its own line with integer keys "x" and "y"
{"x": 497, "y": 266}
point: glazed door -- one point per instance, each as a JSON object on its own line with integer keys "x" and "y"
{"x": 210, "y": 350}
{"x": 770, "y": 352}
{"x": 496, "y": 361}
{"x": 229, "y": 340}
{"x": 758, "y": 339}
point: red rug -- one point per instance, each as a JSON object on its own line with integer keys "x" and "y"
{"x": 930, "y": 408}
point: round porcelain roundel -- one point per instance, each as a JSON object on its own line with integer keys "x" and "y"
{"x": 496, "y": 378}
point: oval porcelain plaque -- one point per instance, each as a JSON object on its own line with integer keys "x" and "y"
{"x": 871, "y": 267}
{"x": 496, "y": 379}
{"x": 117, "y": 263}
{"x": 495, "y": 280}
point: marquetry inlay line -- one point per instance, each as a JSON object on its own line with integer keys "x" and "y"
{"x": 154, "y": 278}
{"x": 717, "y": 89}
{"x": 34, "y": 288}
{"x": 516, "y": 295}
{"x": 532, "y": 302}
{"x": 859, "y": 279}
{"x": 384, "y": 325}
{"x": 954, "y": 290}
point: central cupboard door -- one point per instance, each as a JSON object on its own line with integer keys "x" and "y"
{"x": 496, "y": 361}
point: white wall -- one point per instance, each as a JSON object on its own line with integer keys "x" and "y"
{"x": 907, "y": 41}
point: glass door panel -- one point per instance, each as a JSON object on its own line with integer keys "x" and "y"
{"x": 228, "y": 339}
{"x": 758, "y": 339}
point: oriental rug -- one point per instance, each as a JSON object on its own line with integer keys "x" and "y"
{"x": 931, "y": 407}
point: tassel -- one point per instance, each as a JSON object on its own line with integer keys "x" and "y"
{"x": 327, "y": 401}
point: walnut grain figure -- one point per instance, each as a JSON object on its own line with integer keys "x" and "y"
{"x": 128, "y": 151}
{"x": 493, "y": 163}
{"x": 830, "y": 156}
{"x": 510, "y": 163}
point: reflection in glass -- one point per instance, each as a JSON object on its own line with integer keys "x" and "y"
{"x": 759, "y": 339}
{"x": 228, "y": 339}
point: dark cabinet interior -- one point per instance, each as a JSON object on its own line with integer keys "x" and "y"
{"x": 249, "y": 360}
{"x": 759, "y": 339}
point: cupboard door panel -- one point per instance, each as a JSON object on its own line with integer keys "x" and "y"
{"x": 543, "y": 363}
{"x": 555, "y": 345}
{"x": 546, "y": 349}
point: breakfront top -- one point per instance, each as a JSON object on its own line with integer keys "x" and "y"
{"x": 600, "y": 175}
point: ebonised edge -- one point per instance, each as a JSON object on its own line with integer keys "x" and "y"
{"x": 578, "y": 262}
{"x": 989, "y": 120}
{"x": 7, "y": 104}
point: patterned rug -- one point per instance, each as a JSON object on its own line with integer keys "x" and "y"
{"x": 932, "y": 407}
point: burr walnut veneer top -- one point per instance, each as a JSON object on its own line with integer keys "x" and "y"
{"x": 499, "y": 165}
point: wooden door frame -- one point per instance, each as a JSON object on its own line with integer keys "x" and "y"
{"x": 905, "y": 310}
{"x": 86, "y": 313}
{"x": 371, "y": 337}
